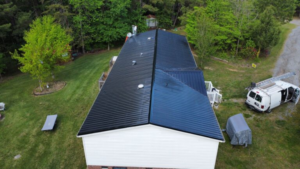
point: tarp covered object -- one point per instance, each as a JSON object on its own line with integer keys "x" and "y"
{"x": 238, "y": 130}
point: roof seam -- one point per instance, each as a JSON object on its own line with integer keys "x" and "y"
{"x": 181, "y": 82}
{"x": 153, "y": 75}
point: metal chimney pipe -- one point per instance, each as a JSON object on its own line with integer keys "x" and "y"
{"x": 134, "y": 30}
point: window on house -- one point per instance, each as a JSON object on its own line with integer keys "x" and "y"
{"x": 104, "y": 167}
{"x": 119, "y": 167}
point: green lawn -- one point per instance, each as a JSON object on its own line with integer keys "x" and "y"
{"x": 276, "y": 136}
{"x": 25, "y": 115}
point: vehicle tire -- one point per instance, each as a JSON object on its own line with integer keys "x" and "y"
{"x": 269, "y": 110}
{"x": 252, "y": 108}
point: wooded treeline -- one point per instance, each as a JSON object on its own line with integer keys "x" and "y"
{"x": 223, "y": 25}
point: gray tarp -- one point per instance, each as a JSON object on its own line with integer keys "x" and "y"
{"x": 238, "y": 130}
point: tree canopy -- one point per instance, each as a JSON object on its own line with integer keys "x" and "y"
{"x": 46, "y": 44}
{"x": 100, "y": 24}
{"x": 201, "y": 33}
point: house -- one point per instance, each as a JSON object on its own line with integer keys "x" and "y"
{"x": 151, "y": 21}
{"x": 153, "y": 110}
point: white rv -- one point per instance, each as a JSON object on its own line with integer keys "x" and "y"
{"x": 268, "y": 94}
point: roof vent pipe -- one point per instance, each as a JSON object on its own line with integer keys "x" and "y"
{"x": 128, "y": 36}
{"x": 140, "y": 86}
{"x": 133, "y": 62}
{"x": 134, "y": 30}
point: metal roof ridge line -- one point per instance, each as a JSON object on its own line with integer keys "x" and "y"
{"x": 153, "y": 75}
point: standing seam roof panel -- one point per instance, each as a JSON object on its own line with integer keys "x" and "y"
{"x": 173, "y": 52}
{"x": 120, "y": 103}
{"x": 172, "y": 100}
{"x": 192, "y": 78}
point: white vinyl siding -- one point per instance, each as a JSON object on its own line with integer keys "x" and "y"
{"x": 150, "y": 146}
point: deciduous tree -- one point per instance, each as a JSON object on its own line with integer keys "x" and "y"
{"x": 46, "y": 44}
{"x": 201, "y": 32}
{"x": 283, "y": 9}
{"x": 265, "y": 31}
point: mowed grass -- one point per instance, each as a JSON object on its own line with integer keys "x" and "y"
{"x": 276, "y": 136}
{"x": 25, "y": 115}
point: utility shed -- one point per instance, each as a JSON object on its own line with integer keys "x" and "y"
{"x": 153, "y": 110}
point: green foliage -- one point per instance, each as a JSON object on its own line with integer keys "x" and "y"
{"x": 115, "y": 22}
{"x": 249, "y": 50}
{"x": 97, "y": 23}
{"x": 187, "y": 6}
{"x": 61, "y": 13}
{"x": 86, "y": 21}
{"x": 265, "y": 31}
{"x": 283, "y": 9}
{"x": 2, "y": 65}
{"x": 220, "y": 11}
{"x": 46, "y": 42}
{"x": 4, "y": 29}
{"x": 201, "y": 33}
{"x": 164, "y": 11}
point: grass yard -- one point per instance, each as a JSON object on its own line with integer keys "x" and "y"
{"x": 276, "y": 136}
{"x": 25, "y": 115}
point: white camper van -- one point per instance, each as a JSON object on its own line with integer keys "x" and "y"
{"x": 268, "y": 94}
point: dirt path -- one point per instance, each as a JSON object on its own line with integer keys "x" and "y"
{"x": 289, "y": 60}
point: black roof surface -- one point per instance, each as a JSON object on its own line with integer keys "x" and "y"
{"x": 174, "y": 94}
{"x": 178, "y": 106}
{"x": 192, "y": 78}
{"x": 173, "y": 52}
{"x": 120, "y": 103}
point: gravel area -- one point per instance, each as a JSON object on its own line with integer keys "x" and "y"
{"x": 289, "y": 60}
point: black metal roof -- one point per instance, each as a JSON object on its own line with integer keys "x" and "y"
{"x": 173, "y": 52}
{"x": 192, "y": 78}
{"x": 120, "y": 103}
{"x": 178, "y": 106}
{"x": 174, "y": 93}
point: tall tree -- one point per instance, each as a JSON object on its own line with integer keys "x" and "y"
{"x": 265, "y": 31}
{"x": 222, "y": 14}
{"x": 46, "y": 42}
{"x": 115, "y": 21}
{"x": 86, "y": 21}
{"x": 201, "y": 32}
{"x": 61, "y": 13}
{"x": 283, "y": 9}
{"x": 243, "y": 12}
{"x": 186, "y": 6}
{"x": 13, "y": 21}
